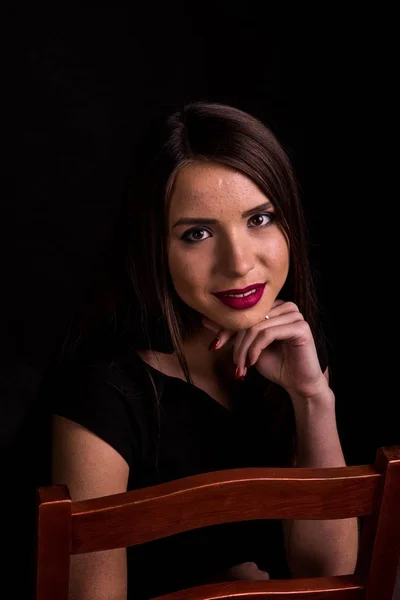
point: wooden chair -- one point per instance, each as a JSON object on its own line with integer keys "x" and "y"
{"x": 135, "y": 517}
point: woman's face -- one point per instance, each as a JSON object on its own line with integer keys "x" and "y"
{"x": 242, "y": 246}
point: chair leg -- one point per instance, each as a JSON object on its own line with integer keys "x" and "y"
{"x": 53, "y": 543}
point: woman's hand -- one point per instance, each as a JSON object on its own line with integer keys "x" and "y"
{"x": 247, "y": 572}
{"x": 281, "y": 348}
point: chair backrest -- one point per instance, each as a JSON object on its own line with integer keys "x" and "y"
{"x": 135, "y": 517}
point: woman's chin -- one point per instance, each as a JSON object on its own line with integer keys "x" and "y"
{"x": 240, "y": 321}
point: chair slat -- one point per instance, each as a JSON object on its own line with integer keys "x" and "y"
{"x": 344, "y": 587}
{"x": 228, "y": 496}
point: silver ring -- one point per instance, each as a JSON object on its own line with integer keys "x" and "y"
{"x": 267, "y": 317}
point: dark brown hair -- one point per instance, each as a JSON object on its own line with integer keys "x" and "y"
{"x": 143, "y": 308}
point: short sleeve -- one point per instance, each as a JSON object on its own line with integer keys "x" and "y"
{"x": 92, "y": 397}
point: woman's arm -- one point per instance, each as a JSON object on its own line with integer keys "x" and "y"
{"x": 282, "y": 349}
{"x": 319, "y": 548}
{"x": 90, "y": 468}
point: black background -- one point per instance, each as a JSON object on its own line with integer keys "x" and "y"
{"x": 78, "y": 89}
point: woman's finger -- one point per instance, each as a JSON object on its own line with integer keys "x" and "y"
{"x": 290, "y": 332}
{"x": 221, "y": 335}
{"x": 240, "y": 336}
{"x": 283, "y": 308}
{"x": 241, "y": 354}
{"x": 278, "y": 302}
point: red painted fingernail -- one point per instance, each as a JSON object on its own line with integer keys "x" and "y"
{"x": 237, "y": 373}
{"x": 214, "y": 344}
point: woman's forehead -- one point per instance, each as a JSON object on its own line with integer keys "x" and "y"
{"x": 208, "y": 186}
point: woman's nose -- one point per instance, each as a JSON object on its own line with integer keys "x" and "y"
{"x": 237, "y": 258}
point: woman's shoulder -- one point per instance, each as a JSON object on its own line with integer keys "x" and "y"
{"x": 106, "y": 395}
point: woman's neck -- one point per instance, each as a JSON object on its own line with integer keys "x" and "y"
{"x": 202, "y": 363}
{"x": 201, "y": 360}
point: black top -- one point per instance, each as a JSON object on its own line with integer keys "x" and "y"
{"x": 191, "y": 433}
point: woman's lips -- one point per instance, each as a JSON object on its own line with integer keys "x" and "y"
{"x": 248, "y": 288}
{"x": 245, "y": 301}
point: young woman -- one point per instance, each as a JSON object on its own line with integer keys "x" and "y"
{"x": 210, "y": 357}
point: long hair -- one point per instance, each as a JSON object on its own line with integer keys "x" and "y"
{"x": 141, "y": 306}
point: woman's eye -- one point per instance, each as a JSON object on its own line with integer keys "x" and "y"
{"x": 267, "y": 219}
{"x": 193, "y": 232}
{"x": 269, "y": 216}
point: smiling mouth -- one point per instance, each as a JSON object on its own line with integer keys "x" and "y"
{"x": 245, "y": 300}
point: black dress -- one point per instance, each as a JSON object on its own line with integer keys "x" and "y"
{"x": 189, "y": 433}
